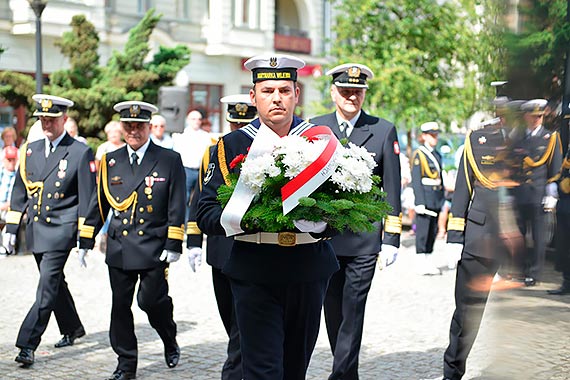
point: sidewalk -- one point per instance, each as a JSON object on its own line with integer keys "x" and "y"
{"x": 525, "y": 333}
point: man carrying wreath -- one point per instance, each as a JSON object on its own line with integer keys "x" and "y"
{"x": 279, "y": 280}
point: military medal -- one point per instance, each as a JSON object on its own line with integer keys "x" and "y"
{"x": 482, "y": 140}
{"x": 112, "y": 162}
{"x": 28, "y": 152}
{"x": 149, "y": 181}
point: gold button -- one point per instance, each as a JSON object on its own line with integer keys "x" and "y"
{"x": 125, "y": 221}
{"x": 141, "y": 233}
{"x": 61, "y": 195}
{"x": 49, "y": 195}
{"x": 125, "y": 233}
{"x": 529, "y": 172}
{"x": 48, "y": 219}
{"x": 57, "y": 184}
{"x": 141, "y": 209}
{"x": 149, "y": 197}
{"x": 35, "y": 195}
{"x": 141, "y": 221}
{"x": 47, "y": 208}
{"x": 36, "y": 218}
{"x": 155, "y": 174}
{"x": 35, "y": 207}
{"x": 118, "y": 198}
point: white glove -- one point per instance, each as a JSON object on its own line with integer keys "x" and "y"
{"x": 388, "y": 255}
{"x": 420, "y": 209}
{"x": 9, "y": 242}
{"x": 169, "y": 256}
{"x": 454, "y": 254}
{"x": 195, "y": 258}
{"x": 549, "y": 203}
{"x": 308, "y": 226}
{"x": 552, "y": 189}
{"x": 82, "y": 253}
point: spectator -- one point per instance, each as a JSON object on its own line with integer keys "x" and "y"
{"x": 191, "y": 144}
{"x": 114, "y": 141}
{"x": 157, "y": 134}
{"x": 9, "y": 137}
{"x": 71, "y": 128}
{"x": 7, "y": 176}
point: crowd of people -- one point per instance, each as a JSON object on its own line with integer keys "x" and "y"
{"x": 144, "y": 192}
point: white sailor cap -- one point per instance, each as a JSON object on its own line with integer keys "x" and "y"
{"x": 50, "y": 105}
{"x": 430, "y": 127}
{"x": 350, "y": 75}
{"x": 135, "y": 110}
{"x": 274, "y": 67}
{"x": 240, "y": 108}
{"x": 534, "y": 106}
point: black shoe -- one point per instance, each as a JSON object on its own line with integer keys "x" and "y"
{"x": 69, "y": 339}
{"x": 172, "y": 355}
{"x": 122, "y": 375}
{"x": 26, "y": 357}
{"x": 564, "y": 289}
{"x": 529, "y": 281}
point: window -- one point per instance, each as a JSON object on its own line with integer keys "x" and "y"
{"x": 206, "y": 98}
{"x": 246, "y": 14}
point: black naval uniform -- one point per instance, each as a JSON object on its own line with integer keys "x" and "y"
{"x": 427, "y": 183}
{"x": 278, "y": 290}
{"x": 563, "y": 225}
{"x": 541, "y": 165}
{"x": 55, "y": 192}
{"x": 358, "y": 252}
{"x": 148, "y": 217}
{"x": 218, "y": 250}
{"x": 480, "y": 216}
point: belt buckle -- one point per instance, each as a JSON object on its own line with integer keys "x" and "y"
{"x": 287, "y": 239}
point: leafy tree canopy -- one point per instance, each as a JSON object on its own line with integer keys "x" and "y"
{"x": 128, "y": 75}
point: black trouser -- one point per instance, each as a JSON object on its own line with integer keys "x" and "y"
{"x": 152, "y": 298}
{"x": 426, "y": 232}
{"x": 531, "y": 262}
{"x": 278, "y": 326}
{"x": 344, "y": 312}
{"x": 225, "y": 299}
{"x": 563, "y": 245}
{"x": 472, "y": 285}
{"x": 52, "y": 295}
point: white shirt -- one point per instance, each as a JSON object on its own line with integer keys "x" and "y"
{"x": 350, "y": 123}
{"x": 191, "y": 146}
{"x": 534, "y": 132}
{"x": 54, "y": 143}
{"x": 140, "y": 152}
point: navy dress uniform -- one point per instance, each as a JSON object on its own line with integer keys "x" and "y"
{"x": 562, "y": 243}
{"x": 145, "y": 190}
{"x": 482, "y": 223}
{"x": 240, "y": 112}
{"x": 357, "y": 253}
{"x": 429, "y": 195}
{"x": 537, "y": 194}
{"x": 53, "y": 185}
{"x": 278, "y": 285}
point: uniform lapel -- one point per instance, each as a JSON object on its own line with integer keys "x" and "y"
{"x": 36, "y": 161}
{"x": 132, "y": 181}
{"x": 361, "y": 131}
{"x": 55, "y": 158}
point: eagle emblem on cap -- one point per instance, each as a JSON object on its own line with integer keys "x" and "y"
{"x": 273, "y": 61}
{"x": 135, "y": 110}
{"x": 354, "y": 72}
{"x": 46, "y": 104}
{"x": 241, "y": 108}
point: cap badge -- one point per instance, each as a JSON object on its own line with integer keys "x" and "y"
{"x": 46, "y": 104}
{"x": 241, "y": 108}
{"x": 135, "y": 110}
{"x": 273, "y": 61}
{"x": 354, "y": 72}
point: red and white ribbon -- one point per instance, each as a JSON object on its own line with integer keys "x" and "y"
{"x": 314, "y": 175}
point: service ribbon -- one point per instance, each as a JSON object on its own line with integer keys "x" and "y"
{"x": 314, "y": 175}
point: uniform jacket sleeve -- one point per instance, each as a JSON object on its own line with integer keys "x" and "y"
{"x": 18, "y": 204}
{"x": 177, "y": 197}
{"x": 391, "y": 183}
{"x": 460, "y": 201}
{"x": 419, "y": 195}
{"x": 86, "y": 184}
{"x": 95, "y": 215}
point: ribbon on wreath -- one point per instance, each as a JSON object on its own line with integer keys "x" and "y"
{"x": 314, "y": 175}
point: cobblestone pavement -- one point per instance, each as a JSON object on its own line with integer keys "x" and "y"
{"x": 525, "y": 333}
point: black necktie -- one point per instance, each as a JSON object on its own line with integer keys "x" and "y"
{"x": 134, "y": 161}
{"x": 50, "y": 149}
{"x": 343, "y": 130}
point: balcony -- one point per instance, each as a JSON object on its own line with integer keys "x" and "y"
{"x": 291, "y": 40}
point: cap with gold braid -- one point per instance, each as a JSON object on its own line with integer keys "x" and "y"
{"x": 350, "y": 75}
{"x": 135, "y": 110}
{"x": 240, "y": 109}
{"x": 50, "y": 105}
{"x": 274, "y": 67}
{"x": 535, "y": 106}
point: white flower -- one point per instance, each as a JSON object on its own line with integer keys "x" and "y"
{"x": 254, "y": 171}
{"x": 354, "y": 169}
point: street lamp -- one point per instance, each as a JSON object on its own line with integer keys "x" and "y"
{"x": 38, "y": 6}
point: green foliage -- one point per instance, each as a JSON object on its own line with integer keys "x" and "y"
{"x": 94, "y": 88}
{"x": 424, "y": 55}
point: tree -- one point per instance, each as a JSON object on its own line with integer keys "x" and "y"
{"x": 425, "y": 56}
{"x": 94, "y": 88}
